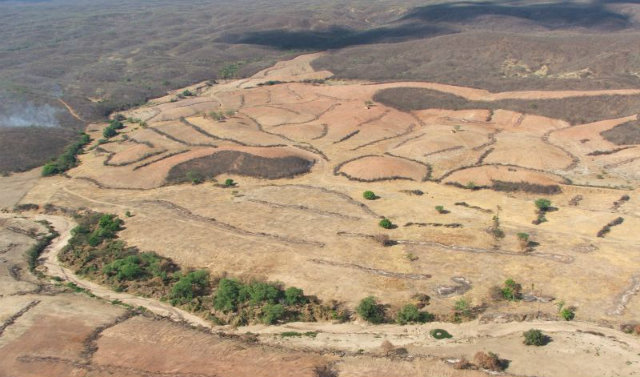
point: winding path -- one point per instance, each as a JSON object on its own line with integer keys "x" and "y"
{"x": 54, "y": 268}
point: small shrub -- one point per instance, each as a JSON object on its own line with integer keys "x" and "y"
{"x": 489, "y": 361}
{"x": 440, "y": 334}
{"x": 411, "y": 314}
{"x": 229, "y": 182}
{"x": 189, "y": 286}
{"x": 227, "y": 295}
{"x": 567, "y": 314}
{"x": 512, "y": 291}
{"x": 462, "y": 308}
{"x": 271, "y": 313}
{"x": 523, "y": 240}
{"x": 441, "y": 209}
{"x": 370, "y": 310}
{"x": 369, "y": 195}
{"x": 543, "y": 204}
{"x": 534, "y": 337}
{"x": 187, "y": 93}
{"x": 294, "y": 296}
{"x": 495, "y": 229}
{"x": 386, "y": 223}
{"x": 194, "y": 177}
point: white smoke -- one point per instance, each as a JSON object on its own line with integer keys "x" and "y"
{"x": 30, "y": 115}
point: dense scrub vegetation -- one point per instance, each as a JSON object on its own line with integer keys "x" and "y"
{"x": 95, "y": 252}
{"x": 67, "y": 159}
{"x": 34, "y": 252}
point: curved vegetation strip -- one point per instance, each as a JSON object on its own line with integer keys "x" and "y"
{"x": 241, "y": 163}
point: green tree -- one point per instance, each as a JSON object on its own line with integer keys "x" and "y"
{"x": 227, "y": 295}
{"x": 370, "y": 310}
{"x": 386, "y": 223}
{"x": 411, "y": 314}
{"x": 534, "y": 337}
{"x": 258, "y": 292}
{"x": 189, "y": 286}
{"x": 543, "y": 204}
{"x": 369, "y": 195}
{"x": 512, "y": 291}
{"x": 294, "y": 296}
{"x": 271, "y": 313}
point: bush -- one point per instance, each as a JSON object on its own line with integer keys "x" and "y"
{"x": 440, "y": 334}
{"x": 512, "y": 291}
{"x": 271, "y": 313}
{"x": 523, "y": 240}
{"x": 109, "y": 132}
{"x": 567, "y": 314}
{"x": 410, "y": 314}
{"x": 461, "y": 308}
{"x": 489, "y": 361}
{"x": 259, "y": 292}
{"x": 294, "y": 296}
{"x": 189, "y": 286}
{"x": 370, "y": 310}
{"x": 229, "y": 182}
{"x": 227, "y": 295}
{"x": 441, "y": 209}
{"x": 369, "y": 195}
{"x": 187, "y": 93}
{"x": 138, "y": 266}
{"x": 543, "y": 204}
{"x": 386, "y": 223}
{"x": 195, "y": 177}
{"x": 534, "y": 337}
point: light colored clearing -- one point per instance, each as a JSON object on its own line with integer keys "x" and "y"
{"x": 16, "y": 186}
{"x": 371, "y": 168}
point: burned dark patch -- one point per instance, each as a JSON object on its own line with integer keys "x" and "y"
{"x": 575, "y": 110}
{"x": 241, "y": 163}
{"x": 625, "y": 134}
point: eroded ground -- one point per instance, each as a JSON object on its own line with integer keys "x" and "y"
{"x": 312, "y": 228}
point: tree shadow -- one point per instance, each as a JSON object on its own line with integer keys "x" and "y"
{"x": 558, "y": 15}
{"x": 336, "y": 37}
{"x": 439, "y": 19}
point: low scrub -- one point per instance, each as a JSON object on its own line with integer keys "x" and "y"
{"x": 95, "y": 253}
{"x": 34, "y": 252}
{"x": 411, "y": 314}
{"x": 535, "y": 337}
{"x": 489, "y": 361}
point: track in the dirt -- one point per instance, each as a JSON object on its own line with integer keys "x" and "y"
{"x": 373, "y": 271}
{"x": 554, "y": 257}
{"x": 623, "y": 299}
{"x": 13, "y": 318}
